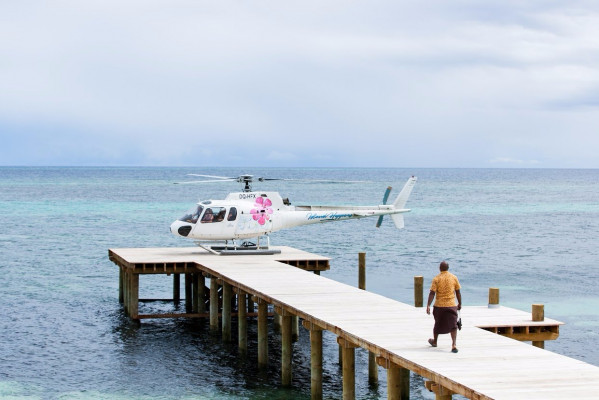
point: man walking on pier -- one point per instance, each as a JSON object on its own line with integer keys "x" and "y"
{"x": 446, "y": 288}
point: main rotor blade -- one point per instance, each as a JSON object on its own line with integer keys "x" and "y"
{"x": 209, "y": 181}
{"x": 311, "y": 180}
{"x": 213, "y": 176}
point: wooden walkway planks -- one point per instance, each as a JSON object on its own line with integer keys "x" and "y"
{"x": 487, "y": 366}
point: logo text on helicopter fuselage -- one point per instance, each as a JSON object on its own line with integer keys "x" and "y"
{"x": 328, "y": 216}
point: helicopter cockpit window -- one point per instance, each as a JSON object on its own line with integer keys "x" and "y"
{"x": 232, "y": 214}
{"x": 192, "y": 215}
{"x": 214, "y": 214}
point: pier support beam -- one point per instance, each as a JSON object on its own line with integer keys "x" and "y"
{"x": 132, "y": 295}
{"x": 286, "y": 349}
{"x": 188, "y": 295}
{"x": 213, "y": 304}
{"x": 251, "y": 306}
{"x": 398, "y": 380}
{"x": 373, "y": 372}
{"x": 538, "y": 314}
{"x": 262, "y": 333}
{"x": 201, "y": 293}
{"x": 315, "y": 360}
{"x": 295, "y": 328}
{"x": 226, "y": 314}
{"x": 242, "y": 332}
{"x": 349, "y": 368}
{"x": 441, "y": 393}
{"x": 176, "y": 287}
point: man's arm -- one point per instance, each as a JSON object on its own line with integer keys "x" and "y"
{"x": 459, "y": 296}
{"x": 431, "y": 296}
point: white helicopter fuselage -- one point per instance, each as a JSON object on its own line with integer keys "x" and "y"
{"x": 246, "y": 215}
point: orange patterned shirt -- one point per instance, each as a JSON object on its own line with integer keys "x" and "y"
{"x": 444, "y": 285}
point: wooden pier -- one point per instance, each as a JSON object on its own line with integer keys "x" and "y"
{"x": 490, "y": 363}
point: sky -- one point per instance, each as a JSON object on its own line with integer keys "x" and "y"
{"x": 483, "y": 84}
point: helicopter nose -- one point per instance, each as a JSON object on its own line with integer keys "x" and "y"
{"x": 181, "y": 228}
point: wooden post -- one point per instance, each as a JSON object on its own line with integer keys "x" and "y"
{"x": 362, "y": 271}
{"x": 121, "y": 285}
{"x": 349, "y": 368}
{"x": 176, "y": 287}
{"x": 398, "y": 380}
{"x": 286, "y": 349}
{"x": 195, "y": 301}
{"x": 398, "y": 383}
{"x": 242, "y": 322}
{"x": 201, "y": 293}
{"x": 441, "y": 393}
{"x": 226, "y": 313}
{"x": 133, "y": 295}
{"x": 251, "y": 306}
{"x": 213, "y": 304}
{"x": 418, "y": 291}
{"x": 493, "y": 297}
{"x": 262, "y": 333}
{"x": 276, "y": 321}
{"x": 315, "y": 360}
{"x": 538, "y": 314}
{"x": 373, "y": 372}
{"x": 188, "y": 292}
{"x": 295, "y": 328}
{"x": 126, "y": 291}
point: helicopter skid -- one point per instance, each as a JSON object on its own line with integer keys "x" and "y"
{"x": 253, "y": 250}
{"x": 227, "y": 250}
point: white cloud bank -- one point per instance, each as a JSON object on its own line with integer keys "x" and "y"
{"x": 383, "y": 83}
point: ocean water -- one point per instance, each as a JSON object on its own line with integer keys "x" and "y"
{"x": 531, "y": 232}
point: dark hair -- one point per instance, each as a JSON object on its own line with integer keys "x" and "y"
{"x": 444, "y": 266}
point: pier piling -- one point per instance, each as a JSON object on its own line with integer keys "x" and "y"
{"x": 262, "y": 333}
{"x": 349, "y": 368}
{"x": 213, "y": 304}
{"x": 315, "y": 360}
{"x": 242, "y": 340}
{"x": 226, "y": 313}
{"x": 373, "y": 372}
{"x": 538, "y": 314}
{"x": 493, "y": 297}
{"x": 418, "y": 291}
{"x": 286, "y": 349}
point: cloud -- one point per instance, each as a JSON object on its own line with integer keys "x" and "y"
{"x": 281, "y": 156}
{"x": 507, "y": 160}
{"x": 378, "y": 84}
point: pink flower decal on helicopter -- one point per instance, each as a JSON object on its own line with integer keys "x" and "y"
{"x": 262, "y": 211}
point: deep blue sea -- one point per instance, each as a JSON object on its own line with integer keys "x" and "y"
{"x": 63, "y": 335}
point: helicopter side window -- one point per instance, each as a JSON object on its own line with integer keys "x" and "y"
{"x": 214, "y": 214}
{"x": 192, "y": 215}
{"x": 220, "y": 215}
{"x": 232, "y": 214}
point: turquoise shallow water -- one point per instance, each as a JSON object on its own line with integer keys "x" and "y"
{"x": 532, "y": 233}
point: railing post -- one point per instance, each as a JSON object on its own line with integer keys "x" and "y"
{"x": 538, "y": 314}
{"x": 493, "y": 297}
{"x": 418, "y": 291}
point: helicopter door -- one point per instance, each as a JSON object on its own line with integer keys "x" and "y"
{"x": 257, "y": 220}
{"x": 213, "y": 225}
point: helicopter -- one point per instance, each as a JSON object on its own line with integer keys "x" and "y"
{"x": 253, "y": 214}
